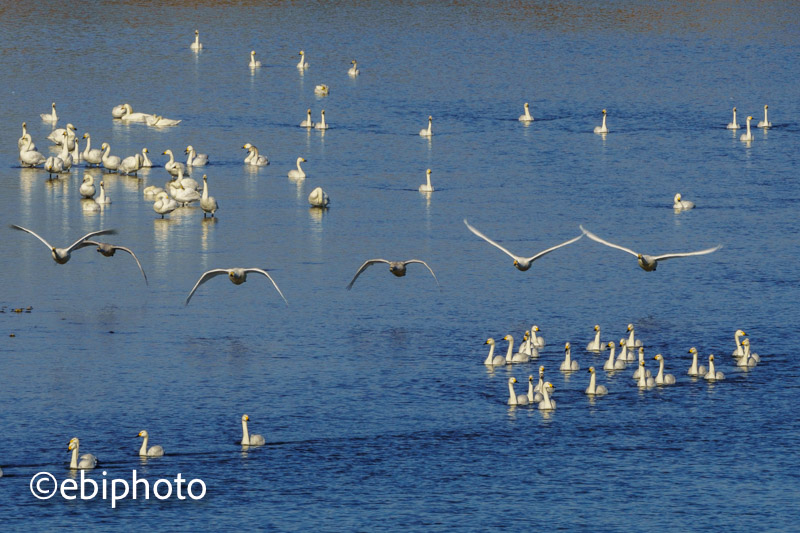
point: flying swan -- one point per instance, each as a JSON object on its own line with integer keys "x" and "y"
{"x": 398, "y": 268}
{"x": 237, "y": 277}
{"x": 62, "y": 255}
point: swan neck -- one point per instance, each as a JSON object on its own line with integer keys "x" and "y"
{"x": 510, "y": 350}
{"x": 143, "y": 449}
{"x": 660, "y": 370}
{"x": 593, "y": 383}
{"x": 490, "y": 357}
{"x": 73, "y": 463}
{"x": 245, "y": 433}
{"x": 512, "y": 396}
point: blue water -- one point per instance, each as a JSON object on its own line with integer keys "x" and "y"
{"x": 375, "y": 404}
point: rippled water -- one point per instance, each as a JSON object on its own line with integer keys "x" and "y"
{"x": 377, "y": 410}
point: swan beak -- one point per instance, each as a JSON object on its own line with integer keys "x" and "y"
{"x": 515, "y": 262}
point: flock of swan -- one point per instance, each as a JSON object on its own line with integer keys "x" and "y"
{"x": 542, "y": 392}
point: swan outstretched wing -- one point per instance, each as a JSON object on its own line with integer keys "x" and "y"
{"x": 259, "y": 271}
{"x": 364, "y": 267}
{"x": 76, "y": 244}
{"x": 426, "y": 266}
{"x": 612, "y": 245}
{"x": 687, "y": 254}
{"x": 556, "y": 247}
{"x": 205, "y": 277}
{"x": 115, "y": 247}
{"x": 50, "y": 246}
{"x": 490, "y": 241}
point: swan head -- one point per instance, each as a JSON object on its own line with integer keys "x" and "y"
{"x": 746, "y": 342}
{"x": 526, "y": 105}
{"x": 252, "y": 52}
{"x": 541, "y": 370}
{"x": 143, "y": 433}
{"x": 630, "y": 327}
{"x": 53, "y": 105}
{"x": 145, "y": 150}
{"x": 610, "y": 345}
{"x": 301, "y": 159}
{"x": 530, "y": 378}
{"x": 323, "y": 111}
{"x": 693, "y": 350}
{"x": 711, "y": 357}
{"x": 549, "y": 386}
{"x": 245, "y": 418}
{"x": 622, "y": 342}
{"x": 353, "y": 62}
{"x": 512, "y": 380}
{"x": 740, "y": 333}
{"x": 766, "y": 107}
{"x": 604, "y": 111}
{"x": 591, "y": 370}
{"x": 301, "y": 53}
{"x": 489, "y": 341}
{"x": 102, "y": 184}
{"x": 658, "y": 357}
{"x": 678, "y": 197}
{"x": 205, "y": 177}
{"x": 597, "y": 327}
{"x": 104, "y": 146}
{"x": 641, "y": 350}
{"x": 73, "y": 443}
{"x": 734, "y": 108}
{"x": 566, "y": 346}
{"x": 428, "y": 172}
{"x": 535, "y": 328}
{"x": 749, "y": 118}
{"x": 196, "y": 32}
{"x": 508, "y": 338}
{"x": 430, "y": 118}
{"x": 188, "y": 149}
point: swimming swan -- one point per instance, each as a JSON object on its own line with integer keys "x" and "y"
{"x": 533, "y": 396}
{"x": 547, "y": 404}
{"x": 307, "y": 123}
{"x": 602, "y": 128}
{"x": 353, "y": 70}
{"x": 733, "y": 125}
{"x": 536, "y": 341}
{"x": 208, "y": 203}
{"x": 196, "y": 45}
{"x": 194, "y": 159}
{"x": 91, "y": 156}
{"x": 172, "y": 166}
{"x": 87, "y": 460}
{"x": 427, "y": 132}
{"x": 87, "y": 188}
{"x": 102, "y": 199}
{"x": 661, "y": 378}
{"x": 512, "y": 357}
{"x": 648, "y": 262}
{"x": 492, "y": 359}
{"x": 398, "y": 268}
{"x": 764, "y": 123}
{"x": 117, "y": 111}
{"x": 593, "y": 389}
{"x": 695, "y": 370}
{"x": 681, "y": 205}
{"x": 513, "y": 397}
{"x": 632, "y": 341}
{"x": 595, "y": 345}
{"x": 540, "y": 385}
{"x": 521, "y": 263}
{"x": 51, "y": 117}
{"x": 302, "y": 64}
{"x": 568, "y": 365}
{"x": 646, "y": 381}
{"x": 110, "y": 162}
{"x": 153, "y": 451}
{"x": 298, "y": 172}
{"x": 637, "y": 372}
{"x": 62, "y": 255}
{"x": 611, "y": 364}
{"x": 318, "y": 198}
{"x": 253, "y": 63}
{"x": 322, "y": 90}
{"x": 712, "y": 374}
{"x": 164, "y": 204}
{"x": 253, "y": 158}
{"x": 321, "y": 125}
{"x": 427, "y": 187}
{"x": 625, "y": 354}
{"x": 526, "y": 117}
{"x": 748, "y": 136}
{"x": 748, "y": 359}
{"x": 108, "y": 250}
{"x": 130, "y": 116}
{"x": 247, "y": 438}
{"x": 237, "y": 277}
{"x": 157, "y": 121}
{"x": 739, "y": 351}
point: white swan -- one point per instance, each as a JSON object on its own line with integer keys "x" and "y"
{"x": 179, "y": 181}
{"x": 76, "y": 152}
{"x": 526, "y": 117}
{"x": 427, "y": 132}
{"x": 712, "y": 374}
{"x": 298, "y": 173}
{"x": 539, "y": 386}
{"x": 533, "y": 396}
{"x": 110, "y": 162}
{"x": 520, "y": 263}
{"x": 87, "y": 188}
{"x": 318, "y": 198}
{"x": 764, "y": 123}
{"x": 661, "y": 377}
{"x": 57, "y": 136}
{"x": 398, "y": 268}
{"x": 102, "y": 199}
{"x": 547, "y": 404}
{"x": 91, "y": 156}
{"x": 512, "y": 357}
{"x": 611, "y": 364}
{"x": 164, "y": 204}
{"x": 62, "y": 255}
{"x": 253, "y": 158}
{"x": 194, "y": 159}
{"x": 117, "y": 111}
{"x": 185, "y": 196}
{"x": 25, "y": 138}
{"x": 637, "y": 372}
{"x": 302, "y": 64}
{"x": 172, "y": 166}
{"x": 593, "y": 389}
{"x": 130, "y": 116}
{"x": 53, "y": 165}
{"x": 427, "y": 187}
{"x": 733, "y": 125}
{"x": 151, "y": 191}
{"x": 353, "y": 71}
{"x": 492, "y": 359}
{"x": 146, "y": 163}
{"x": 602, "y": 128}
{"x": 108, "y": 250}
{"x": 153, "y": 451}
{"x": 595, "y": 345}
{"x": 748, "y": 136}
{"x": 695, "y": 370}
{"x": 322, "y": 90}
{"x": 739, "y": 351}
{"x": 632, "y": 341}
{"x": 307, "y": 123}
{"x": 568, "y": 365}
{"x": 681, "y": 205}
{"x": 65, "y": 156}
{"x": 196, "y": 45}
{"x": 87, "y": 461}
{"x": 29, "y": 157}
{"x": 157, "y": 121}
{"x": 626, "y": 355}
{"x": 321, "y": 125}
{"x": 131, "y": 164}
{"x": 52, "y": 116}
{"x": 247, "y": 438}
{"x": 208, "y": 203}
{"x": 536, "y": 341}
{"x": 649, "y": 263}
{"x": 237, "y": 277}
{"x": 646, "y": 381}
{"x": 253, "y": 62}
{"x": 513, "y": 397}
{"x": 748, "y": 359}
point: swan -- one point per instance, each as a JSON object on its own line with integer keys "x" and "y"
{"x": 65, "y": 156}
{"x": 533, "y": 396}
{"x": 739, "y": 351}
{"x": 247, "y": 438}
{"x": 108, "y": 250}
{"x": 540, "y": 385}
{"x": 318, "y": 198}
{"x": 302, "y": 64}
{"x": 321, "y": 125}
{"x": 117, "y": 111}
{"x": 492, "y": 359}
{"x": 25, "y": 137}
{"x": 512, "y": 357}
{"x": 427, "y": 187}
{"x": 712, "y": 374}
{"x": 695, "y": 370}
{"x": 164, "y": 204}
{"x": 748, "y": 136}
{"x": 157, "y": 121}
{"x": 764, "y": 123}
{"x": 87, "y": 189}
{"x": 681, "y": 205}
{"x": 298, "y": 173}
{"x": 29, "y": 157}
{"x": 91, "y": 156}
{"x": 625, "y": 354}
{"x": 536, "y": 341}
{"x": 595, "y": 345}
{"x": 748, "y": 359}
{"x": 185, "y": 196}
{"x": 153, "y": 451}
{"x": 520, "y": 263}
{"x": 196, "y": 45}
{"x": 649, "y": 263}
{"x": 646, "y": 381}
{"x": 130, "y": 116}
{"x": 62, "y": 255}
{"x": 253, "y": 62}
{"x": 733, "y": 125}
{"x": 353, "y": 71}
{"x": 254, "y": 158}
{"x": 237, "y": 277}
{"x": 87, "y": 460}
{"x": 568, "y": 365}
{"x": 172, "y": 166}
{"x": 131, "y": 164}
{"x": 513, "y": 397}
{"x": 525, "y": 345}
{"x": 208, "y": 203}
{"x": 321, "y": 90}
{"x": 151, "y": 191}
{"x": 307, "y": 123}
{"x": 102, "y": 199}
{"x": 146, "y": 163}
{"x": 51, "y": 117}
{"x": 179, "y": 181}
{"x": 76, "y": 152}
{"x": 602, "y": 128}
{"x": 57, "y": 136}
{"x": 526, "y": 117}
{"x": 637, "y": 372}
{"x": 110, "y": 162}
{"x": 194, "y": 159}
{"x": 661, "y": 377}
{"x": 611, "y": 364}
{"x": 547, "y": 403}
{"x": 398, "y": 268}
{"x": 53, "y": 165}
{"x": 427, "y": 132}
{"x": 593, "y": 389}
{"x": 632, "y": 342}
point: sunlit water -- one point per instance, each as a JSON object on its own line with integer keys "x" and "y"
{"x": 377, "y": 410}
